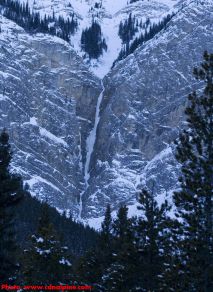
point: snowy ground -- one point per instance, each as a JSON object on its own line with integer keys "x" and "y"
{"x": 160, "y": 198}
{"x": 132, "y": 212}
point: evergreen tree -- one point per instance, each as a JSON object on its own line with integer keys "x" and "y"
{"x": 194, "y": 201}
{"x": 128, "y": 29}
{"x": 88, "y": 270}
{"x": 106, "y": 231}
{"x": 92, "y": 41}
{"x": 46, "y": 261}
{"x": 77, "y": 237}
{"x": 122, "y": 273}
{"x": 11, "y": 193}
{"x": 33, "y": 23}
{"x": 155, "y": 237}
{"x": 92, "y": 266}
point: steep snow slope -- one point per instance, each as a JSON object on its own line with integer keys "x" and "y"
{"x": 47, "y": 103}
{"x": 143, "y": 110}
{"x": 108, "y": 16}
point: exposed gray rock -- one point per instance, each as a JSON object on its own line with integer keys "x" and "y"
{"x": 46, "y": 91}
{"x": 143, "y": 110}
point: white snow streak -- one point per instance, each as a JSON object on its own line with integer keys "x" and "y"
{"x": 92, "y": 137}
{"x": 44, "y": 132}
{"x": 37, "y": 179}
{"x": 90, "y": 147}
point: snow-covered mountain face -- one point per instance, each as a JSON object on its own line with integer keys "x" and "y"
{"x": 82, "y": 142}
{"x": 108, "y": 14}
{"x": 144, "y": 101}
{"x": 46, "y": 91}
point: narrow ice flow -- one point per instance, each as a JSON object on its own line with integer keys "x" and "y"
{"x": 80, "y": 206}
{"x": 92, "y": 137}
{"x": 90, "y": 147}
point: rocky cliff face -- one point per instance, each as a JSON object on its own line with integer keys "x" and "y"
{"x": 46, "y": 91}
{"x": 82, "y": 144}
{"x": 143, "y": 110}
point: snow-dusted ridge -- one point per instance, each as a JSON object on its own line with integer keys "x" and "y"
{"x": 108, "y": 16}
